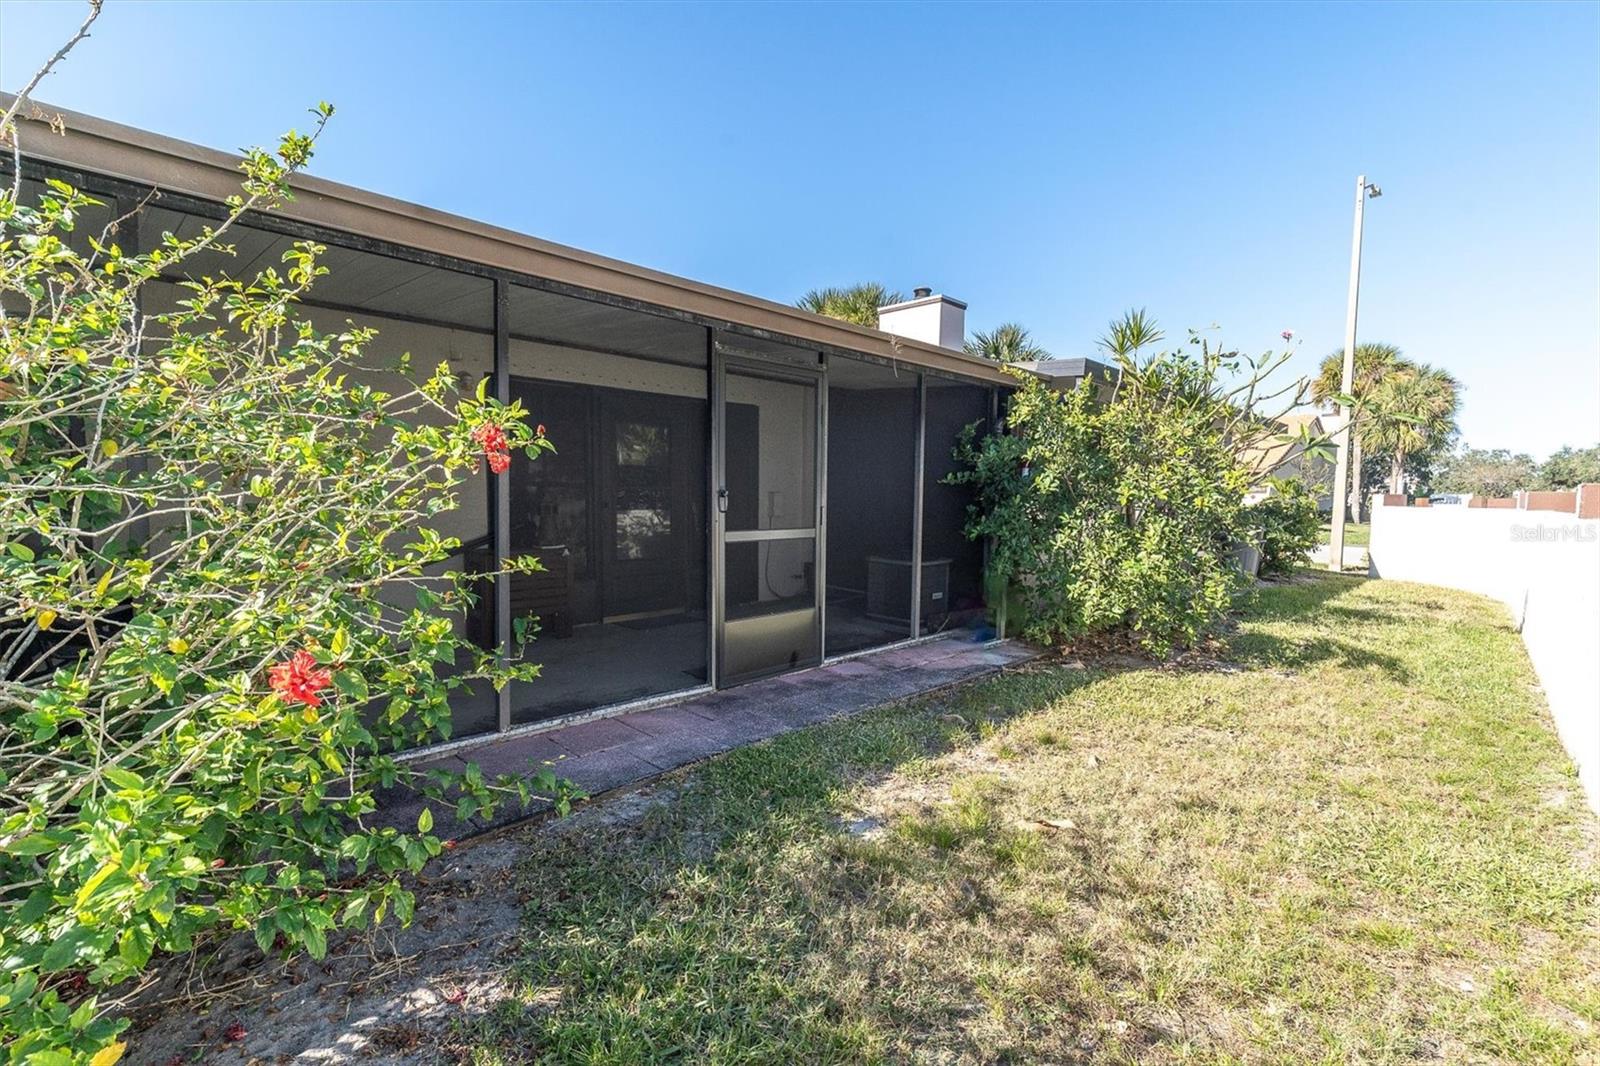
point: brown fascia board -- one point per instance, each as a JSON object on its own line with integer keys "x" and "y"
{"x": 98, "y": 146}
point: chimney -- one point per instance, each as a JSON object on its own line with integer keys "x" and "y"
{"x": 928, "y": 317}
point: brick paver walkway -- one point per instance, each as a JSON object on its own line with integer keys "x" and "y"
{"x": 610, "y": 753}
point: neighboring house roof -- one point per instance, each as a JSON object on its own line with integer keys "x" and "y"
{"x": 140, "y": 158}
{"x": 1266, "y": 457}
{"x": 1075, "y": 368}
{"x": 1066, "y": 373}
{"x": 1294, "y": 421}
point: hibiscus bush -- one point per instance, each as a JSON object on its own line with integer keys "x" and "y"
{"x": 1119, "y": 513}
{"x": 221, "y": 613}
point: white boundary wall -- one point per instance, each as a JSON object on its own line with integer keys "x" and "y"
{"x": 1545, "y": 567}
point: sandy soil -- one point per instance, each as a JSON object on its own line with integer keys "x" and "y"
{"x": 379, "y": 997}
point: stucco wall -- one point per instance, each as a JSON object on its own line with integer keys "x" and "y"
{"x": 1545, "y": 567}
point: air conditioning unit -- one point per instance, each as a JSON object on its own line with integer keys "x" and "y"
{"x": 889, "y": 589}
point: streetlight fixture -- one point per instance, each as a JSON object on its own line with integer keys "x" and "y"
{"x": 1341, "y": 472}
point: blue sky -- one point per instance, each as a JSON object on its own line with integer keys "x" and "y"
{"x": 1049, "y": 164}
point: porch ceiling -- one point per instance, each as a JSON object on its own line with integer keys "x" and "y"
{"x": 356, "y": 281}
{"x": 150, "y": 160}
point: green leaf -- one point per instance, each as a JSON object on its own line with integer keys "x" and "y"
{"x": 404, "y": 906}
{"x": 135, "y": 945}
{"x": 66, "y": 950}
{"x": 20, "y": 551}
{"x": 425, "y": 820}
{"x": 96, "y": 879}
{"x": 34, "y": 844}
{"x": 350, "y": 683}
{"x": 36, "y": 905}
{"x": 122, "y": 778}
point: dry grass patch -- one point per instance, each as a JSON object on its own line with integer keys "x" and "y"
{"x": 1356, "y": 843}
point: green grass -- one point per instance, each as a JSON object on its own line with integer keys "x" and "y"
{"x": 1357, "y": 842}
{"x": 1356, "y": 534}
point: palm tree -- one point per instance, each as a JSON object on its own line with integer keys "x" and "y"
{"x": 1133, "y": 331}
{"x": 1006, "y": 343}
{"x": 1373, "y": 361}
{"x": 855, "y": 303}
{"x": 1412, "y": 410}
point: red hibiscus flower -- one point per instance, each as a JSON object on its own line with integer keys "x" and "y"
{"x": 299, "y": 680}
{"x": 495, "y": 446}
{"x": 491, "y": 436}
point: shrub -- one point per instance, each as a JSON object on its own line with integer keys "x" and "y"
{"x": 205, "y": 662}
{"x": 1289, "y": 524}
{"x": 1120, "y": 515}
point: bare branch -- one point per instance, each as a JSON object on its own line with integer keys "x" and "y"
{"x": 7, "y": 123}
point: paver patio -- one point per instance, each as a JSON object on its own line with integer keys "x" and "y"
{"x": 602, "y": 754}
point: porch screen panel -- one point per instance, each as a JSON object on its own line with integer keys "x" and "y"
{"x": 952, "y": 594}
{"x": 426, "y": 313}
{"x": 617, "y": 514}
{"x": 871, "y": 462}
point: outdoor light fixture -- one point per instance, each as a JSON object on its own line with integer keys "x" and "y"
{"x": 1373, "y": 192}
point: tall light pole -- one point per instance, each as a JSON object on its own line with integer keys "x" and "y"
{"x": 1341, "y": 470}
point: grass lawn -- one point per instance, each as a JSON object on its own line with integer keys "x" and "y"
{"x": 1356, "y": 535}
{"x": 1352, "y": 839}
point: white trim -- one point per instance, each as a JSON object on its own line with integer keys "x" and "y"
{"x": 919, "y": 301}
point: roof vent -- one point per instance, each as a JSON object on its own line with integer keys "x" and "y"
{"x": 921, "y": 293}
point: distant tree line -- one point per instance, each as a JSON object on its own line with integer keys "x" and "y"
{"x": 1406, "y": 440}
{"x": 1499, "y": 472}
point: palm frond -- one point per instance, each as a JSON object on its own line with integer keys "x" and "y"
{"x": 1009, "y": 342}
{"x": 1133, "y": 331}
{"x": 855, "y": 303}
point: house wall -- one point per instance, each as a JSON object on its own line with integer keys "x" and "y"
{"x": 554, "y": 363}
{"x": 1545, "y": 567}
{"x": 1317, "y": 472}
{"x": 470, "y": 355}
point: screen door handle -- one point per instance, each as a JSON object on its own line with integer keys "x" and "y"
{"x": 722, "y": 500}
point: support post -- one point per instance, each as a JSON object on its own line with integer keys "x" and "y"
{"x": 714, "y": 522}
{"x": 1341, "y": 470}
{"x": 500, "y": 499}
{"x": 916, "y": 505}
{"x": 819, "y": 547}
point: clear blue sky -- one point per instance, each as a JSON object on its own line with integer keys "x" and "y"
{"x": 1050, "y": 164}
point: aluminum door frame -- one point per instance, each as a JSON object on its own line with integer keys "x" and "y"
{"x": 723, "y": 357}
